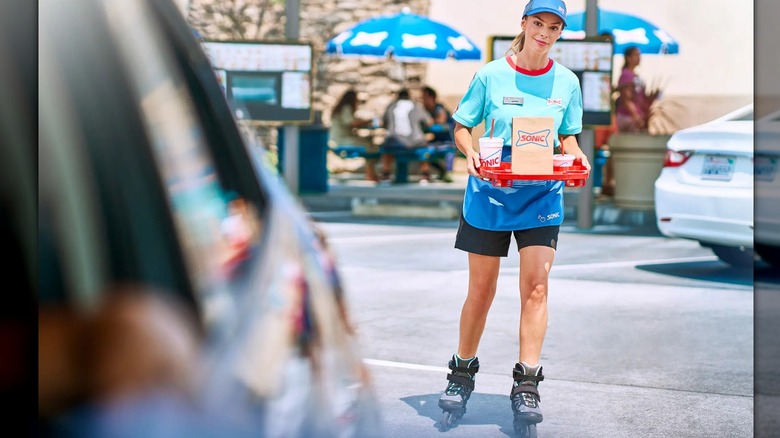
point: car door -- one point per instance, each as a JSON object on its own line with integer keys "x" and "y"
{"x": 148, "y": 167}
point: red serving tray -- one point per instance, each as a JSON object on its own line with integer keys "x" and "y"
{"x": 502, "y": 176}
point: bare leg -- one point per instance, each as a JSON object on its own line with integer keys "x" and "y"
{"x": 483, "y": 274}
{"x": 438, "y": 165}
{"x": 387, "y": 164}
{"x": 371, "y": 170}
{"x": 535, "y": 264}
{"x": 609, "y": 178}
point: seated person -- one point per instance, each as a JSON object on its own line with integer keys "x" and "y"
{"x": 404, "y": 121}
{"x": 443, "y": 123}
{"x": 342, "y": 130}
{"x": 441, "y": 130}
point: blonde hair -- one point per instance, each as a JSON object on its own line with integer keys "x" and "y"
{"x": 517, "y": 44}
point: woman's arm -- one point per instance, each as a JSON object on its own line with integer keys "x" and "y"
{"x": 629, "y": 101}
{"x": 570, "y": 146}
{"x": 464, "y": 141}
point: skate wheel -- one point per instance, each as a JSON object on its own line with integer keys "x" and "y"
{"x": 447, "y": 419}
{"x": 525, "y": 430}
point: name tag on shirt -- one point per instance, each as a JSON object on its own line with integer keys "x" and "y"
{"x": 513, "y": 101}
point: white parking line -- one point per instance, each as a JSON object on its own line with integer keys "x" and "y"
{"x": 408, "y": 366}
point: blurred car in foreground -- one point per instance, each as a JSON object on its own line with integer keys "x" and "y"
{"x": 182, "y": 289}
{"x": 705, "y": 190}
{"x": 767, "y": 197}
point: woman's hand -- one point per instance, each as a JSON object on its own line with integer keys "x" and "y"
{"x": 463, "y": 141}
{"x": 570, "y": 146}
{"x": 472, "y": 163}
{"x": 583, "y": 158}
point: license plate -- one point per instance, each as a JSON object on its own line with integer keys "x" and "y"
{"x": 765, "y": 167}
{"x": 718, "y": 167}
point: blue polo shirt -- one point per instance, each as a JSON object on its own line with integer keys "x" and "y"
{"x": 551, "y": 92}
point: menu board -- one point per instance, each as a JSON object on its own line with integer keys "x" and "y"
{"x": 590, "y": 59}
{"x": 264, "y": 81}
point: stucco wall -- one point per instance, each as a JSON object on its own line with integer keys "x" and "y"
{"x": 712, "y": 74}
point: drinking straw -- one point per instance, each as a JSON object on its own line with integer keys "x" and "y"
{"x": 492, "y": 125}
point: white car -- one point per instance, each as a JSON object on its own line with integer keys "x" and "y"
{"x": 767, "y": 232}
{"x": 705, "y": 190}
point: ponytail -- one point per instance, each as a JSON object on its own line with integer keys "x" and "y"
{"x": 517, "y": 44}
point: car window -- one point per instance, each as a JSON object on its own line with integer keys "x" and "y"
{"x": 217, "y": 227}
{"x": 744, "y": 117}
{"x": 66, "y": 199}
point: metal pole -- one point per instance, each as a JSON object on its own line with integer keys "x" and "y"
{"x": 292, "y": 25}
{"x": 291, "y": 132}
{"x": 587, "y": 138}
{"x": 591, "y": 18}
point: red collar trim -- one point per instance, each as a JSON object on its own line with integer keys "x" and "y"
{"x": 529, "y": 72}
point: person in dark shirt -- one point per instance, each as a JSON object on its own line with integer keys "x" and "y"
{"x": 442, "y": 127}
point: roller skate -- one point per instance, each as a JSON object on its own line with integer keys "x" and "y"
{"x": 525, "y": 399}
{"x": 461, "y": 384}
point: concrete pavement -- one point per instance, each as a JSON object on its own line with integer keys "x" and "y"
{"x": 648, "y": 336}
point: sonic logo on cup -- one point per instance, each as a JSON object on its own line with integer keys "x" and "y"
{"x": 538, "y": 138}
{"x": 492, "y": 160}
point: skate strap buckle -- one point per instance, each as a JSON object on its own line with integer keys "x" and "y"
{"x": 465, "y": 381}
{"x": 530, "y": 389}
{"x": 470, "y": 370}
{"x": 520, "y": 377}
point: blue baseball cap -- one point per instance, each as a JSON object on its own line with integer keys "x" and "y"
{"x": 557, "y": 7}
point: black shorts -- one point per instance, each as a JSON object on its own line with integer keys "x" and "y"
{"x": 496, "y": 243}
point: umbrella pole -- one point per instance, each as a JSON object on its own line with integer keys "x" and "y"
{"x": 397, "y": 71}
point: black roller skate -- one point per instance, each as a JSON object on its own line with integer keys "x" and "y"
{"x": 525, "y": 399}
{"x": 461, "y": 384}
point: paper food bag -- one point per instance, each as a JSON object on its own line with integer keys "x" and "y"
{"x": 532, "y": 145}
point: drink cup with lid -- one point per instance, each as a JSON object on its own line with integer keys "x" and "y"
{"x": 490, "y": 151}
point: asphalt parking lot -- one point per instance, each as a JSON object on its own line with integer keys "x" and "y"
{"x": 648, "y": 336}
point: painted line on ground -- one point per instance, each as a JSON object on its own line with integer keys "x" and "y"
{"x": 412, "y": 366}
{"x": 404, "y": 365}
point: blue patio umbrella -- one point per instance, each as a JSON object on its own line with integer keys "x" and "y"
{"x": 626, "y": 30}
{"x": 406, "y": 37}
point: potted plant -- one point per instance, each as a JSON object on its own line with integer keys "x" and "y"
{"x": 638, "y": 156}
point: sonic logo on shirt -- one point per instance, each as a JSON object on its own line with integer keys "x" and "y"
{"x": 538, "y": 138}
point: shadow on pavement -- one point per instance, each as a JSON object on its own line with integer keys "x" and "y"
{"x": 705, "y": 271}
{"x": 481, "y": 410}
